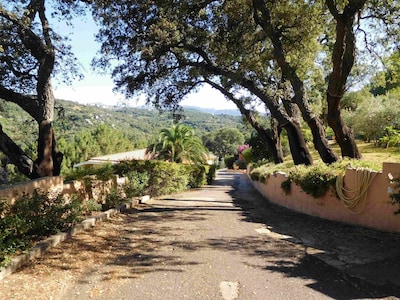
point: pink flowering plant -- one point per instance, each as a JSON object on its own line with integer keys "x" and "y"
{"x": 241, "y": 148}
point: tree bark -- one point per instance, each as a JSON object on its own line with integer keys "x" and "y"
{"x": 49, "y": 158}
{"x": 343, "y": 134}
{"x": 297, "y": 144}
{"x": 273, "y": 143}
{"x": 298, "y": 147}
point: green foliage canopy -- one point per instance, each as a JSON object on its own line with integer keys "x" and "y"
{"x": 224, "y": 141}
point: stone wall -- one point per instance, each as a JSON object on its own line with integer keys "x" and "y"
{"x": 92, "y": 189}
{"x": 46, "y": 184}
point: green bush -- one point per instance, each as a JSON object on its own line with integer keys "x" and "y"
{"x": 240, "y": 164}
{"x": 248, "y": 155}
{"x": 137, "y": 183}
{"x": 31, "y": 218}
{"x": 113, "y": 199}
{"x": 314, "y": 180}
{"x": 229, "y": 161}
{"x": 212, "y": 169}
{"x": 89, "y": 206}
{"x": 196, "y": 174}
{"x": 166, "y": 178}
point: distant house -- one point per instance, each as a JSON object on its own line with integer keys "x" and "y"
{"x": 139, "y": 154}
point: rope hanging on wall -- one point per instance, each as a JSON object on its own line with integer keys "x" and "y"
{"x": 363, "y": 179}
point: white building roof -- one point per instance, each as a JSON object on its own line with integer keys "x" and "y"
{"x": 114, "y": 158}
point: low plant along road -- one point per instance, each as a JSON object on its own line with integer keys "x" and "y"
{"x": 219, "y": 242}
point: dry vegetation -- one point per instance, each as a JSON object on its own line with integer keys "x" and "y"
{"x": 48, "y": 277}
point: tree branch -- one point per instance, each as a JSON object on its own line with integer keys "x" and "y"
{"x": 27, "y": 103}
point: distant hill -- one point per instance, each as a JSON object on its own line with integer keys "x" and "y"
{"x": 141, "y": 124}
{"x": 228, "y": 112}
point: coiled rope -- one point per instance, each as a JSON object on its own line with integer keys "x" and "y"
{"x": 363, "y": 179}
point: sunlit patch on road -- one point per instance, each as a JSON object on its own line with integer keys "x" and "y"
{"x": 229, "y": 290}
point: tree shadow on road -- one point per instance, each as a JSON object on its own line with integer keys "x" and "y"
{"x": 331, "y": 239}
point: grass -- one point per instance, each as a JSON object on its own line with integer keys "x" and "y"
{"x": 372, "y": 158}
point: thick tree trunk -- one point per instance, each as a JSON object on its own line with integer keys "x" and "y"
{"x": 297, "y": 143}
{"x": 274, "y": 144}
{"x": 343, "y": 134}
{"x": 298, "y": 147}
{"x": 321, "y": 142}
{"x": 49, "y": 158}
{"x": 41, "y": 107}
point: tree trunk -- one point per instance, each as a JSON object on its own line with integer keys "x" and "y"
{"x": 297, "y": 143}
{"x": 49, "y": 158}
{"x": 343, "y": 134}
{"x": 298, "y": 147}
{"x": 321, "y": 142}
{"x": 41, "y": 107}
{"x": 274, "y": 144}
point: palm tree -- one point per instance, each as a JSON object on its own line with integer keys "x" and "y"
{"x": 179, "y": 144}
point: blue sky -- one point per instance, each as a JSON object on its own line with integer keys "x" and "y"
{"x": 96, "y": 88}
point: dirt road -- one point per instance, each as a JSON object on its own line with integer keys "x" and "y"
{"x": 219, "y": 242}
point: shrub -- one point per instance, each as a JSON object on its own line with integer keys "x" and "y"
{"x": 137, "y": 183}
{"x": 229, "y": 161}
{"x": 155, "y": 177}
{"x": 314, "y": 180}
{"x": 196, "y": 175}
{"x": 240, "y": 164}
{"x": 113, "y": 199}
{"x": 211, "y": 173}
{"x": 33, "y": 217}
{"x": 248, "y": 155}
{"x": 89, "y": 206}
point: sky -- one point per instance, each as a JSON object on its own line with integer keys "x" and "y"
{"x": 96, "y": 88}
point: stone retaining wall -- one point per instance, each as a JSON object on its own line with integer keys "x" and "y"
{"x": 46, "y": 184}
{"x": 96, "y": 190}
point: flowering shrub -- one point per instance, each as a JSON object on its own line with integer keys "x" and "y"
{"x": 241, "y": 148}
